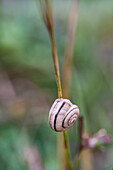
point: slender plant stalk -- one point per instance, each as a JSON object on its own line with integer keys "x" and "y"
{"x": 80, "y": 145}
{"x": 68, "y": 56}
{"x": 66, "y": 77}
{"x": 61, "y": 152}
{"x": 80, "y": 133}
{"x": 68, "y": 165}
{"x": 56, "y": 64}
{"x": 48, "y": 20}
{"x": 86, "y": 160}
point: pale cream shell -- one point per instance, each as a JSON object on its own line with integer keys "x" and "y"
{"x": 62, "y": 114}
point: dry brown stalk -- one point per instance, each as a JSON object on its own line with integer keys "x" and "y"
{"x": 68, "y": 56}
{"x": 80, "y": 146}
{"x": 86, "y": 160}
{"x": 67, "y": 69}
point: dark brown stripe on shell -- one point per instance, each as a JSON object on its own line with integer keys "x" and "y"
{"x": 66, "y": 116}
{"x": 57, "y": 115}
{"x": 52, "y": 115}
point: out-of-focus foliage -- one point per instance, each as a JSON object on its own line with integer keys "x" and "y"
{"x": 27, "y": 81}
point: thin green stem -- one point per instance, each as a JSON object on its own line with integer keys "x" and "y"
{"x": 57, "y": 74}
{"x": 68, "y": 164}
{"x": 48, "y": 20}
{"x": 56, "y": 64}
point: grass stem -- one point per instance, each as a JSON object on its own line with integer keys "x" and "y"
{"x": 48, "y": 20}
{"x": 68, "y": 164}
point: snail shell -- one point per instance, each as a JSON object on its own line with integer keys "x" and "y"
{"x": 62, "y": 114}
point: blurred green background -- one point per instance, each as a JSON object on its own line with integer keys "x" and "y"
{"x": 28, "y": 86}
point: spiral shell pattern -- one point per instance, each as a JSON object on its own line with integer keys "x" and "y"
{"x": 62, "y": 114}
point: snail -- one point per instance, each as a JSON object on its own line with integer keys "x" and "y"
{"x": 62, "y": 114}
